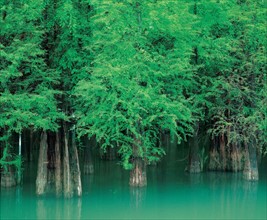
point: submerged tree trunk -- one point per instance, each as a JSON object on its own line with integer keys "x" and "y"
{"x": 8, "y": 177}
{"x": 76, "y": 167}
{"x": 51, "y": 140}
{"x": 66, "y": 165}
{"x": 251, "y": 164}
{"x": 214, "y": 159}
{"x": 236, "y": 158}
{"x": 1, "y": 155}
{"x": 41, "y": 180}
{"x": 58, "y": 179}
{"x": 138, "y": 173}
{"x": 224, "y": 157}
{"x": 19, "y": 177}
{"x": 194, "y": 165}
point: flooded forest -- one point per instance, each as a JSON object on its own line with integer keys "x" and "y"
{"x": 137, "y": 95}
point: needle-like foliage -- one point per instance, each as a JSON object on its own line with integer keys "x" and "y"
{"x": 138, "y": 77}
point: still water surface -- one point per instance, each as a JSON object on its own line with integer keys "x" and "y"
{"x": 171, "y": 194}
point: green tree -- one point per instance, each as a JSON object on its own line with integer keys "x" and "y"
{"x": 66, "y": 31}
{"x": 232, "y": 58}
{"x": 136, "y": 82}
{"x": 26, "y": 84}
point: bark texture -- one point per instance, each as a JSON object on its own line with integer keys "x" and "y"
{"x": 41, "y": 180}
{"x": 223, "y": 152}
{"x": 58, "y": 179}
{"x": 251, "y": 164}
{"x": 194, "y": 165}
{"x": 88, "y": 167}
{"x": 138, "y": 173}
{"x": 66, "y": 166}
{"x": 77, "y": 184}
{"x": 226, "y": 156}
{"x": 8, "y": 178}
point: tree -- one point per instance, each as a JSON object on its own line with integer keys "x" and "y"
{"x": 134, "y": 86}
{"x": 65, "y": 30}
{"x": 27, "y": 95}
{"x": 233, "y": 79}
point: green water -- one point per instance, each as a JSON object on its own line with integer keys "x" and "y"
{"x": 171, "y": 194}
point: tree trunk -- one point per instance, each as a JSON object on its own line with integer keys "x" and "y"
{"x": 30, "y": 147}
{"x": 51, "y": 140}
{"x": 66, "y": 166}
{"x": 1, "y": 169}
{"x": 8, "y": 175}
{"x": 138, "y": 173}
{"x": 41, "y": 180}
{"x": 236, "y": 158}
{"x": 223, "y": 153}
{"x": 251, "y": 164}
{"x": 19, "y": 168}
{"x": 194, "y": 160}
{"x": 88, "y": 167}
{"x": 214, "y": 160}
{"x": 58, "y": 180}
{"x": 76, "y": 167}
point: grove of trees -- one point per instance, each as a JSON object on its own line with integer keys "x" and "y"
{"x": 124, "y": 73}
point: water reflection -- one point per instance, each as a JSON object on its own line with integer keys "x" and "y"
{"x": 251, "y": 187}
{"x": 41, "y": 210}
{"x": 138, "y": 196}
{"x": 51, "y": 208}
{"x": 171, "y": 193}
{"x": 195, "y": 178}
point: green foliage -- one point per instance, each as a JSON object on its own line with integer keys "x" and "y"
{"x": 232, "y": 59}
{"x": 125, "y": 71}
{"x": 26, "y": 88}
{"x": 137, "y": 78}
{"x": 27, "y": 94}
{"x": 5, "y": 163}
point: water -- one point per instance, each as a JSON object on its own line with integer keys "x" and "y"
{"x": 171, "y": 194}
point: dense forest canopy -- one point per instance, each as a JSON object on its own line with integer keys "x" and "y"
{"x": 127, "y": 72}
